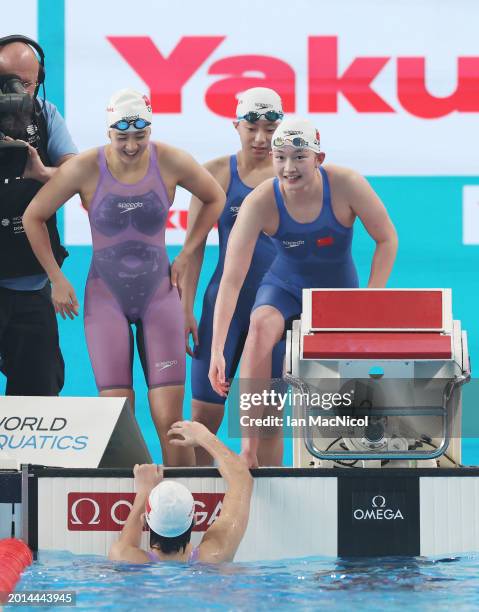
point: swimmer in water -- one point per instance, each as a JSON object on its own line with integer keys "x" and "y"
{"x": 168, "y": 508}
{"x": 127, "y": 188}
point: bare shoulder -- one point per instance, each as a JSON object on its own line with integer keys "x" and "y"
{"x": 170, "y": 156}
{"x": 345, "y": 179}
{"x": 341, "y": 173}
{"x": 127, "y": 554}
{"x": 218, "y": 165}
{"x": 86, "y": 159}
{"x": 262, "y": 197}
{"x": 264, "y": 192}
{"x": 219, "y": 168}
{"x": 83, "y": 165}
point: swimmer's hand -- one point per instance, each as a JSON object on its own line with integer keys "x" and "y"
{"x": 188, "y": 433}
{"x": 64, "y": 298}
{"x": 147, "y": 476}
{"x": 178, "y": 271}
{"x": 216, "y": 373}
{"x": 191, "y": 328}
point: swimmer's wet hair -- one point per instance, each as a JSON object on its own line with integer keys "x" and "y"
{"x": 170, "y": 545}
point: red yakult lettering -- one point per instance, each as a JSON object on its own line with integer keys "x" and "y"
{"x": 165, "y": 76}
{"x": 354, "y": 84}
{"x": 414, "y": 97}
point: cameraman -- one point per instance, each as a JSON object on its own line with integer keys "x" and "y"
{"x": 29, "y": 347}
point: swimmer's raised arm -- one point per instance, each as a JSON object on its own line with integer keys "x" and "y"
{"x": 222, "y": 539}
{"x": 366, "y": 204}
{"x": 253, "y": 217}
{"x": 128, "y": 546}
{"x": 66, "y": 182}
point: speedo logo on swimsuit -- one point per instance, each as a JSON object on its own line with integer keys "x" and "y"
{"x": 127, "y": 206}
{"x": 162, "y": 365}
{"x": 235, "y": 210}
{"x": 291, "y": 244}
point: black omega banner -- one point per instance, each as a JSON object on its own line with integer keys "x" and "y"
{"x": 378, "y": 516}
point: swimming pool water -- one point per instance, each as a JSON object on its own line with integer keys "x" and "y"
{"x": 301, "y": 584}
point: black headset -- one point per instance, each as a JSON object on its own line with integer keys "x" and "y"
{"x": 6, "y": 40}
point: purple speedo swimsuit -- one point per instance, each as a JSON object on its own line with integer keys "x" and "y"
{"x": 129, "y": 283}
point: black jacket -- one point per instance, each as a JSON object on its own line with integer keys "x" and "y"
{"x": 16, "y": 256}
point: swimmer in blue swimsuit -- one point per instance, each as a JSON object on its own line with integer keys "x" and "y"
{"x": 169, "y": 508}
{"x": 309, "y": 212}
{"x": 258, "y": 114}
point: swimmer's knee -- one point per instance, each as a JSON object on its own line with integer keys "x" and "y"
{"x": 266, "y": 326}
{"x": 207, "y": 413}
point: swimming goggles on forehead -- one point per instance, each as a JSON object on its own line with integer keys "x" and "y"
{"x": 124, "y": 124}
{"x": 253, "y": 117}
{"x": 297, "y": 141}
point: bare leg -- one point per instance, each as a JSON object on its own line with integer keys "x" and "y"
{"x": 265, "y": 330}
{"x": 270, "y": 450}
{"x": 211, "y": 416}
{"x": 166, "y": 405}
{"x": 128, "y": 393}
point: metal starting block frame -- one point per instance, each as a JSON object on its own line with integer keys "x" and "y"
{"x": 383, "y": 335}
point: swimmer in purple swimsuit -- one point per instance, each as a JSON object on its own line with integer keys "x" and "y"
{"x": 128, "y": 187}
{"x": 169, "y": 508}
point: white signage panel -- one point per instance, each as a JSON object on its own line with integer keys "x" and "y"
{"x": 57, "y": 431}
{"x": 388, "y": 95}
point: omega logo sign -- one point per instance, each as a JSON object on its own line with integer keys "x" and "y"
{"x": 378, "y": 511}
{"x": 109, "y": 511}
{"x": 95, "y": 520}
{"x": 206, "y": 517}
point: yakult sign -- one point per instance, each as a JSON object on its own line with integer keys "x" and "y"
{"x": 166, "y": 77}
{"x": 390, "y": 99}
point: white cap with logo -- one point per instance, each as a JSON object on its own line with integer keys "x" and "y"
{"x": 296, "y": 132}
{"x": 170, "y": 509}
{"x": 128, "y": 105}
{"x": 259, "y": 100}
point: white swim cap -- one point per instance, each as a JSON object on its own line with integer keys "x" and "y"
{"x": 170, "y": 509}
{"x": 296, "y": 132}
{"x": 128, "y": 105}
{"x": 259, "y": 100}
